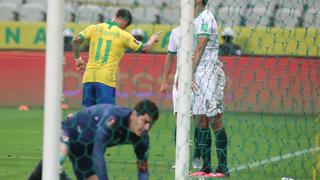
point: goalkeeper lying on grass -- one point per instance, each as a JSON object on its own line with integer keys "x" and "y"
{"x": 89, "y": 132}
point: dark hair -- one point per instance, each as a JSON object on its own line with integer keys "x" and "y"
{"x": 149, "y": 107}
{"x": 204, "y": 2}
{"x": 126, "y": 14}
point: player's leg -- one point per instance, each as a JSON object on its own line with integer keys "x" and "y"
{"x": 63, "y": 149}
{"x": 221, "y": 142}
{"x": 88, "y": 95}
{"x": 205, "y": 142}
{"x": 37, "y": 172}
{"x": 196, "y": 162}
{"x": 105, "y": 94}
{"x": 175, "y": 110}
{"x": 214, "y": 114}
{"x": 202, "y": 133}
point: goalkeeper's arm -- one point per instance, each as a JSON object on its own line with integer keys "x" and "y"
{"x": 99, "y": 148}
{"x": 142, "y": 166}
{"x": 141, "y": 150}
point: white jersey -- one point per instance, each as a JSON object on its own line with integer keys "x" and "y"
{"x": 173, "y": 48}
{"x": 206, "y": 25}
{"x": 209, "y": 75}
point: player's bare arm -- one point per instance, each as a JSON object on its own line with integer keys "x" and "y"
{"x": 198, "y": 52}
{"x": 153, "y": 39}
{"x": 80, "y": 64}
{"x": 76, "y": 41}
{"x": 170, "y": 58}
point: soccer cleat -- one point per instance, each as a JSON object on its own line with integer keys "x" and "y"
{"x": 196, "y": 163}
{"x": 173, "y": 166}
{"x": 216, "y": 175}
{"x": 224, "y": 171}
{"x": 199, "y": 173}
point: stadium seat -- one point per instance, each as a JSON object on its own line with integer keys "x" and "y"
{"x": 313, "y": 4}
{"x": 70, "y": 11}
{"x": 145, "y": 14}
{"x": 41, "y": 2}
{"x": 170, "y": 15}
{"x": 214, "y": 7}
{"x": 172, "y": 3}
{"x": 35, "y": 1}
{"x": 230, "y": 3}
{"x": 294, "y": 4}
{"x": 158, "y": 3}
{"x": 89, "y": 13}
{"x": 32, "y": 12}
{"x": 15, "y": 2}
{"x": 258, "y": 16}
{"x": 312, "y": 19}
{"x": 123, "y": 2}
{"x": 109, "y": 11}
{"x": 8, "y": 11}
{"x": 262, "y": 4}
{"x": 287, "y": 18}
{"x": 228, "y": 16}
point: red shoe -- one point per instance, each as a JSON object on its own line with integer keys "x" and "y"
{"x": 199, "y": 173}
{"x": 215, "y": 175}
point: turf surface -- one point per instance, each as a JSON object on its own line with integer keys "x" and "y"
{"x": 274, "y": 145}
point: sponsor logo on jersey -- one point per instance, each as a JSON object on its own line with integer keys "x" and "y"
{"x": 111, "y": 122}
{"x": 204, "y": 27}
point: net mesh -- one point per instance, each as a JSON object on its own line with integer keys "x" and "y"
{"x": 271, "y": 98}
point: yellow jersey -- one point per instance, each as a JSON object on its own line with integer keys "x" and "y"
{"x": 108, "y": 43}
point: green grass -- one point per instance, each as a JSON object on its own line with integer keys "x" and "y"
{"x": 253, "y": 137}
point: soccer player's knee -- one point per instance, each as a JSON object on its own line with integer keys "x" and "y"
{"x": 216, "y": 122}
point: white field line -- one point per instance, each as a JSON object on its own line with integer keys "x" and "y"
{"x": 21, "y": 132}
{"x": 274, "y": 159}
{"x": 239, "y": 168}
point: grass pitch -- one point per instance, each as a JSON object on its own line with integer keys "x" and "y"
{"x": 261, "y": 146}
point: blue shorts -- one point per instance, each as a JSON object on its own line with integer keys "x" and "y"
{"x": 98, "y": 93}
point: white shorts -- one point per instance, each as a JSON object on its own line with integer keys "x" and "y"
{"x": 208, "y": 98}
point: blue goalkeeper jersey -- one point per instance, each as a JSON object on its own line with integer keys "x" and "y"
{"x": 99, "y": 127}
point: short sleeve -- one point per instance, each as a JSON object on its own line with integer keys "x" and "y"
{"x": 86, "y": 33}
{"x": 132, "y": 43}
{"x": 207, "y": 26}
{"x": 173, "y": 45}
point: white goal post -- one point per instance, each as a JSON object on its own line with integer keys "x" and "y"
{"x": 184, "y": 99}
{"x": 53, "y": 89}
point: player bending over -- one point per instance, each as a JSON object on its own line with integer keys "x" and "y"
{"x": 89, "y": 132}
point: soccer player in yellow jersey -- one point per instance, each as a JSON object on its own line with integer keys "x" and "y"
{"x": 108, "y": 42}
